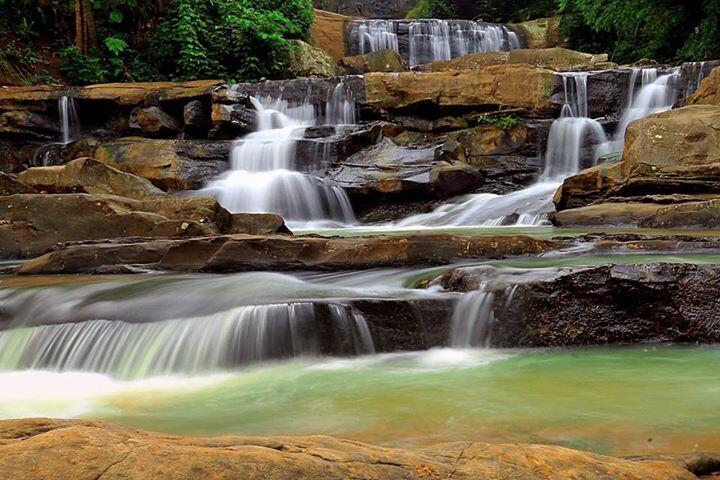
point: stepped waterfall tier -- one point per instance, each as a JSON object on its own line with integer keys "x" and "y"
{"x": 380, "y": 246}
{"x": 424, "y": 41}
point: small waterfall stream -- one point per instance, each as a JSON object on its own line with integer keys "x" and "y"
{"x": 570, "y": 137}
{"x": 264, "y": 178}
{"x": 424, "y": 41}
{"x": 69, "y": 120}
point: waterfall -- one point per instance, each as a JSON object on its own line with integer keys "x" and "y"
{"x": 696, "y": 74}
{"x": 657, "y": 93}
{"x": 69, "y": 121}
{"x": 340, "y": 106}
{"x": 424, "y": 41}
{"x": 264, "y": 177}
{"x": 185, "y": 346}
{"x": 572, "y": 133}
{"x": 377, "y": 35}
{"x": 472, "y": 319}
{"x": 570, "y": 138}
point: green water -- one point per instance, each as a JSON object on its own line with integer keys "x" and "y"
{"x": 611, "y": 400}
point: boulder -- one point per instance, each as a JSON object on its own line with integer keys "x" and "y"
{"x": 626, "y": 214}
{"x": 10, "y": 185}
{"x": 558, "y": 59}
{"x": 231, "y": 121}
{"x": 518, "y": 86}
{"x": 605, "y": 304}
{"x": 32, "y": 449}
{"x": 674, "y": 155}
{"x": 377, "y": 61}
{"x": 257, "y": 224}
{"x": 709, "y": 91}
{"x": 153, "y": 121}
{"x": 172, "y": 165}
{"x": 540, "y": 33}
{"x": 387, "y": 172}
{"x": 304, "y": 60}
{"x": 195, "y": 118}
{"x": 87, "y": 175}
{"x": 27, "y": 124}
{"x": 328, "y": 33}
{"x": 31, "y": 224}
{"x": 232, "y": 253}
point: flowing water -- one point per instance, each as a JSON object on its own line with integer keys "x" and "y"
{"x": 424, "y": 41}
{"x": 616, "y": 401}
{"x": 69, "y": 120}
{"x": 570, "y": 137}
{"x": 264, "y": 177}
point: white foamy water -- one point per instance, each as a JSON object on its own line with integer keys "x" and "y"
{"x": 264, "y": 177}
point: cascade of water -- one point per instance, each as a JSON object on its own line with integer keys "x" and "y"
{"x": 69, "y": 120}
{"x": 432, "y": 40}
{"x": 340, "y": 106}
{"x": 263, "y": 176}
{"x": 697, "y": 71}
{"x": 657, "y": 94}
{"x": 190, "y": 345}
{"x": 472, "y": 319}
{"x": 573, "y": 133}
{"x": 377, "y": 35}
{"x": 571, "y": 138}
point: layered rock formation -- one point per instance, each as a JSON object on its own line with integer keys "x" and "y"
{"x": 62, "y": 449}
{"x": 669, "y": 158}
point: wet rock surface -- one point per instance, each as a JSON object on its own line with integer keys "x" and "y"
{"x": 232, "y": 253}
{"x": 607, "y": 304}
{"x": 60, "y": 449}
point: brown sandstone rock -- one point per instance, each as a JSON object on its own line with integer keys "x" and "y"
{"x": 47, "y": 449}
{"x": 558, "y": 59}
{"x": 540, "y": 33}
{"x": 147, "y": 93}
{"x": 674, "y": 154}
{"x": 30, "y": 224}
{"x": 87, "y": 175}
{"x": 10, "y": 185}
{"x": 242, "y": 253}
{"x": 153, "y": 120}
{"x": 518, "y": 86}
{"x": 378, "y": 61}
{"x": 709, "y": 91}
{"x": 171, "y": 165}
{"x": 308, "y": 61}
{"x": 328, "y": 32}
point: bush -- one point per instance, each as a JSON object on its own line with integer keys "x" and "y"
{"x": 434, "y": 9}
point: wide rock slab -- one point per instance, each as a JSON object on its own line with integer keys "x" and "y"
{"x": 47, "y": 449}
{"x": 30, "y": 224}
{"x": 233, "y": 253}
{"x": 518, "y": 86}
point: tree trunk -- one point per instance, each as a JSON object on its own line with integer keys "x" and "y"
{"x": 85, "y": 36}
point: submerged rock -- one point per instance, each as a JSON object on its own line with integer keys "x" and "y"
{"x": 63, "y": 449}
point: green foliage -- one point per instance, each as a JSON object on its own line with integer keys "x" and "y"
{"x": 24, "y": 63}
{"x": 503, "y": 122}
{"x": 161, "y": 39}
{"x": 434, "y": 9}
{"x": 80, "y": 69}
{"x": 663, "y": 30}
{"x": 504, "y": 11}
